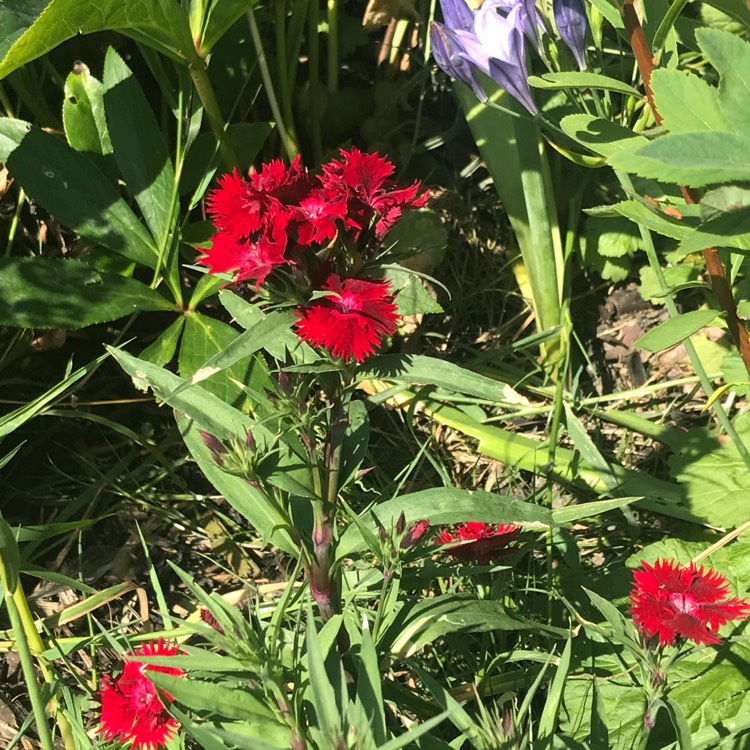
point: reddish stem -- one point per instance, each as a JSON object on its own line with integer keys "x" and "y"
{"x": 716, "y": 271}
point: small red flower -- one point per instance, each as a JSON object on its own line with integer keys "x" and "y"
{"x": 672, "y": 600}
{"x": 352, "y": 321}
{"x": 364, "y": 181}
{"x": 131, "y": 707}
{"x": 318, "y": 216}
{"x": 252, "y": 259}
{"x": 479, "y": 541}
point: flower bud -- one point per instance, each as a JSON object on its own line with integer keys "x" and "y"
{"x": 217, "y": 448}
{"x": 571, "y": 22}
{"x": 250, "y": 441}
{"x": 415, "y": 533}
{"x": 401, "y": 523}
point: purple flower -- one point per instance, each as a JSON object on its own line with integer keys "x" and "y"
{"x": 570, "y": 18}
{"x": 493, "y": 43}
{"x": 446, "y": 49}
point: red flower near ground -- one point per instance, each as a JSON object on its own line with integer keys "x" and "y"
{"x": 479, "y": 541}
{"x": 131, "y": 707}
{"x": 681, "y": 601}
{"x": 352, "y": 321}
{"x": 363, "y": 180}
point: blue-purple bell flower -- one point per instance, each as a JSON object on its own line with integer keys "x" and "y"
{"x": 446, "y": 50}
{"x": 571, "y": 22}
{"x": 492, "y": 42}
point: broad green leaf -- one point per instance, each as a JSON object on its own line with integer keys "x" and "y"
{"x": 686, "y": 102}
{"x": 203, "y": 339}
{"x": 411, "y": 295}
{"x": 138, "y": 146}
{"x": 726, "y": 230}
{"x": 613, "y": 237}
{"x": 423, "y": 370}
{"x": 513, "y": 151}
{"x": 83, "y": 112}
{"x": 671, "y": 332}
{"x": 162, "y": 351}
{"x": 419, "y": 240}
{"x": 232, "y": 700}
{"x": 446, "y": 505}
{"x": 582, "y": 80}
{"x": 69, "y": 186}
{"x": 35, "y": 27}
{"x": 579, "y": 511}
{"x": 722, "y": 200}
{"x": 695, "y": 159}
{"x": 730, "y": 55}
{"x": 713, "y": 477}
{"x": 369, "y": 688}
{"x": 220, "y": 17}
{"x": 419, "y": 624}
{"x": 44, "y": 293}
{"x": 654, "y": 220}
{"x": 321, "y": 692}
{"x": 601, "y": 136}
{"x": 229, "y": 348}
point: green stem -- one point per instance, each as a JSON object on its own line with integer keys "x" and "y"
{"x": 287, "y": 141}
{"x": 333, "y": 45}
{"x": 313, "y": 65}
{"x": 199, "y": 74}
{"x": 285, "y": 93}
{"x": 671, "y": 306}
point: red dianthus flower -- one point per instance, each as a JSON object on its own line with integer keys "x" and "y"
{"x": 131, "y": 707}
{"x": 364, "y": 181}
{"x": 479, "y": 541}
{"x": 352, "y": 321}
{"x": 672, "y": 600}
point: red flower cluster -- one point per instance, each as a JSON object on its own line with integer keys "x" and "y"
{"x": 681, "y": 601}
{"x": 479, "y": 541}
{"x": 272, "y": 219}
{"x": 131, "y": 707}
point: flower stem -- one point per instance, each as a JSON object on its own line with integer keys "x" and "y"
{"x": 205, "y": 90}
{"x": 333, "y": 45}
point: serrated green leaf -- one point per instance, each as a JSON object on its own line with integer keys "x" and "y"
{"x": 671, "y": 332}
{"x": 32, "y": 28}
{"x": 44, "y": 293}
{"x": 714, "y": 477}
{"x": 695, "y": 159}
{"x": 730, "y": 55}
{"x": 70, "y": 186}
{"x": 726, "y": 199}
{"x": 686, "y": 102}
{"x": 726, "y": 230}
{"x": 601, "y": 136}
{"x": 582, "y": 80}
{"x": 138, "y": 146}
{"x": 656, "y": 221}
{"x": 614, "y": 237}
{"x": 412, "y": 297}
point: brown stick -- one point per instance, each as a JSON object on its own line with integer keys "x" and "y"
{"x": 716, "y": 271}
